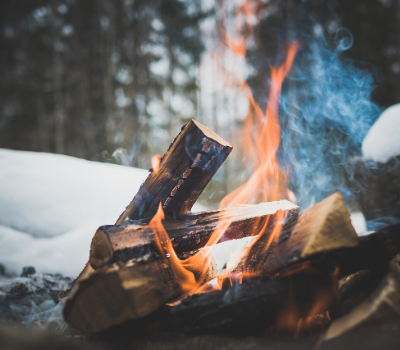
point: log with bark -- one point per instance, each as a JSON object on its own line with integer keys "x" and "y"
{"x": 87, "y": 304}
{"x": 184, "y": 171}
{"x": 114, "y": 294}
{"x": 321, "y": 228}
{"x": 188, "y": 232}
{"x": 251, "y": 307}
{"x": 378, "y": 314}
{"x": 248, "y": 308}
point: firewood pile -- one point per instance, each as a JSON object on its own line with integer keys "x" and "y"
{"x": 151, "y": 270}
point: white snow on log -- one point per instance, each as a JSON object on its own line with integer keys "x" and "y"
{"x": 359, "y": 223}
{"x": 51, "y": 206}
{"x": 383, "y": 139}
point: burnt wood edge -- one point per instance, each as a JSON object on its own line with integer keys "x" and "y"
{"x": 187, "y": 240}
{"x": 206, "y": 154}
{"x": 248, "y": 308}
{"x": 374, "y": 252}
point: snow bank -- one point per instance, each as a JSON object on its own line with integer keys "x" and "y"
{"x": 51, "y": 205}
{"x": 383, "y": 139}
{"x": 47, "y": 195}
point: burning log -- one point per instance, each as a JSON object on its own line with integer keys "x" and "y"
{"x": 184, "y": 171}
{"x": 188, "y": 232}
{"x": 136, "y": 287}
{"x": 323, "y": 227}
{"x": 355, "y": 288}
{"x": 248, "y": 308}
{"x": 373, "y": 252}
{"x": 382, "y": 308}
{"x": 124, "y": 291}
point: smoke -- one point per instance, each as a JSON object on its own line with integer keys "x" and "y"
{"x": 325, "y": 108}
{"x": 325, "y": 119}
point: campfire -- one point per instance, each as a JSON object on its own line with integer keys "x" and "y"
{"x": 156, "y": 269}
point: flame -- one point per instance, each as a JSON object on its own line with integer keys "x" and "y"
{"x": 155, "y": 163}
{"x": 185, "y": 278}
{"x": 191, "y": 273}
{"x": 262, "y": 139}
{"x": 238, "y": 46}
{"x": 267, "y": 183}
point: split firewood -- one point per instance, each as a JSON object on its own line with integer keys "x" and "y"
{"x": 184, "y": 171}
{"x": 188, "y": 232}
{"x": 83, "y": 306}
{"x": 373, "y": 252}
{"x": 124, "y": 291}
{"x": 323, "y": 227}
{"x": 381, "y": 308}
{"x": 248, "y": 308}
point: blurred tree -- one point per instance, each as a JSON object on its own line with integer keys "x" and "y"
{"x": 83, "y": 77}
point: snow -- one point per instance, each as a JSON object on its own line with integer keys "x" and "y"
{"x": 383, "y": 139}
{"x": 51, "y": 206}
{"x": 359, "y": 223}
{"x": 229, "y": 251}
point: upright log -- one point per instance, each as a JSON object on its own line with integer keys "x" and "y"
{"x": 185, "y": 169}
{"x": 188, "y": 232}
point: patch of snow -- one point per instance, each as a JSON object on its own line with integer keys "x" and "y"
{"x": 66, "y": 254}
{"x": 48, "y": 195}
{"x": 359, "y": 223}
{"x": 229, "y": 251}
{"x": 383, "y": 139}
{"x": 51, "y": 206}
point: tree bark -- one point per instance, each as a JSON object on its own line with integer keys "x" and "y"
{"x": 186, "y": 168}
{"x": 188, "y": 232}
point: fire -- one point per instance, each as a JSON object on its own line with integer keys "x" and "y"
{"x": 262, "y": 139}
{"x": 262, "y": 136}
{"x": 266, "y": 183}
{"x": 155, "y": 163}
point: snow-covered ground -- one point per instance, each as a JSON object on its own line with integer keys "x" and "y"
{"x": 383, "y": 139}
{"x": 51, "y": 205}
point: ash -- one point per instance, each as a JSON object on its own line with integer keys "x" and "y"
{"x": 31, "y": 299}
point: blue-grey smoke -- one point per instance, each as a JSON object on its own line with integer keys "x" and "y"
{"x": 325, "y": 112}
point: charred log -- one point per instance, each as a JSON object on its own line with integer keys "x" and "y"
{"x": 379, "y": 313}
{"x": 185, "y": 170}
{"x": 188, "y": 232}
{"x": 248, "y": 308}
{"x": 114, "y": 294}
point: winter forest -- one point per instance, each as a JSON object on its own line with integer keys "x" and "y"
{"x": 122, "y": 218}
{"x": 114, "y": 81}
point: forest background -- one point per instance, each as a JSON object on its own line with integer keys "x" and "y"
{"x": 114, "y": 80}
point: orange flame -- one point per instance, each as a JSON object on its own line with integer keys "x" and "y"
{"x": 238, "y": 46}
{"x": 262, "y": 139}
{"x": 267, "y": 180}
{"x": 155, "y": 163}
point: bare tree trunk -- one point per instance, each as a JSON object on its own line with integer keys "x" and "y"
{"x": 43, "y": 127}
{"x": 59, "y": 113}
{"x": 108, "y": 37}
